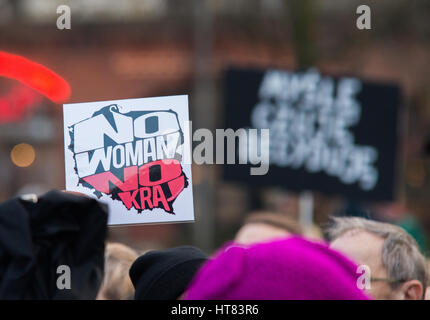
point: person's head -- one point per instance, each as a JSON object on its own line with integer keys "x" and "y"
{"x": 397, "y": 268}
{"x": 116, "y": 283}
{"x": 266, "y": 226}
{"x": 164, "y": 274}
{"x": 289, "y": 268}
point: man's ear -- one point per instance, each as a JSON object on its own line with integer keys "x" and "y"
{"x": 412, "y": 290}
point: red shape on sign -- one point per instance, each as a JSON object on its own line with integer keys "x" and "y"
{"x": 150, "y": 194}
{"x": 106, "y": 181}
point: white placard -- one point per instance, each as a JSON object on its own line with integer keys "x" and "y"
{"x": 131, "y": 154}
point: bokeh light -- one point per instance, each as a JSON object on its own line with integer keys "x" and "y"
{"x": 23, "y": 155}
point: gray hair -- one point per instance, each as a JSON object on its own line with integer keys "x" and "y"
{"x": 401, "y": 256}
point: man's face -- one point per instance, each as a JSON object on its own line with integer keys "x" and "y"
{"x": 366, "y": 249}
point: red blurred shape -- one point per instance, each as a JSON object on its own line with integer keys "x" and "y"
{"x": 20, "y": 101}
{"x": 34, "y": 75}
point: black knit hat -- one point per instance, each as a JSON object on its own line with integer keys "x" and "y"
{"x": 165, "y": 274}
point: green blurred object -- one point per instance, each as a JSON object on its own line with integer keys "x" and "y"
{"x": 303, "y": 17}
{"x": 413, "y": 227}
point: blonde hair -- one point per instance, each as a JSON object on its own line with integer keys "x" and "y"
{"x": 116, "y": 283}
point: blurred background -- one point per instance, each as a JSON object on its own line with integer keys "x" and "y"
{"x": 142, "y": 48}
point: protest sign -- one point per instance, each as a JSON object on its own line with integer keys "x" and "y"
{"x": 132, "y": 154}
{"x": 336, "y": 135}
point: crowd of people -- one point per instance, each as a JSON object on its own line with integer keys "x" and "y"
{"x": 271, "y": 257}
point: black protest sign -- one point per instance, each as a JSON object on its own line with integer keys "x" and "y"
{"x": 336, "y": 135}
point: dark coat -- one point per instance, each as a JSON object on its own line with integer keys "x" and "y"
{"x": 37, "y": 237}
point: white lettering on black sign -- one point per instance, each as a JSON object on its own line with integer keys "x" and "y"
{"x": 309, "y": 117}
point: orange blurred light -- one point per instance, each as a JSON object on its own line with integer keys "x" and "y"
{"x": 23, "y": 155}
